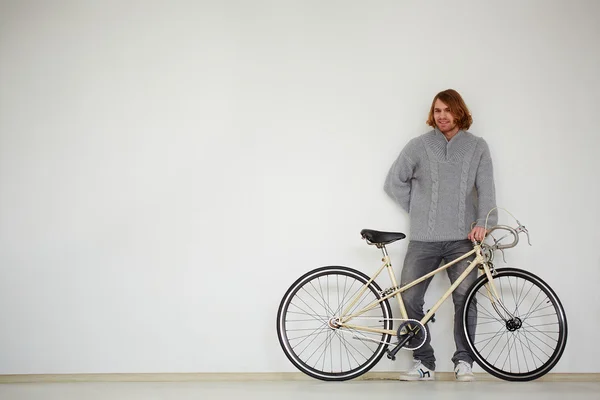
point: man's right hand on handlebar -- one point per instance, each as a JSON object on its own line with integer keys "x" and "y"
{"x": 477, "y": 233}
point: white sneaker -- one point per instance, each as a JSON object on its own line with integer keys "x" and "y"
{"x": 418, "y": 372}
{"x": 463, "y": 372}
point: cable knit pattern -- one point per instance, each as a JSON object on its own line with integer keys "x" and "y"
{"x": 462, "y": 197}
{"x": 433, "y": 154}
{"x": 444, "y": 185}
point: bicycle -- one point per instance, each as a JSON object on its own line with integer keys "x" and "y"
{"x": 513, "y": 322}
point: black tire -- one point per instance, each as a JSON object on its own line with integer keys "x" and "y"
{"x": 527, "y": 346}
{"x": 308, "y": 340}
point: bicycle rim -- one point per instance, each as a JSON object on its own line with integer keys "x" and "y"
{"x": 305, "y": 330}
{"x": 520, "y": 346}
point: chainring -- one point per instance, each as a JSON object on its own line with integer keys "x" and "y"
{"x": 420, "y": 334}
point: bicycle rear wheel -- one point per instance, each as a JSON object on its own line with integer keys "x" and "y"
{"x": 524, "y": 343}
{"x": 306, "y": 324}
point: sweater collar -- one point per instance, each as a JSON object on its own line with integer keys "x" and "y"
{"x": 442, "y": 136}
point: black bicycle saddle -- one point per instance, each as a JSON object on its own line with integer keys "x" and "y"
{"x": 379, "y": 237}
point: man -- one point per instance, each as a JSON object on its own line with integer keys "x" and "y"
{"x": 444, "y": 180}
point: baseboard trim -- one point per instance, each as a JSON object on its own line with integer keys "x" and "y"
{"x": 254, "y": 376}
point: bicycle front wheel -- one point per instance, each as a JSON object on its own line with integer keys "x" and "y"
{"x": 307, "y": 329}
{"x": 523, "y": 336}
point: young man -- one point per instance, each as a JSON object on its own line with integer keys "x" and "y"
{"x": 444, "y": 180}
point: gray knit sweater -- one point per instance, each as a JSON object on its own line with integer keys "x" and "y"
{"x": 444, "y": 185}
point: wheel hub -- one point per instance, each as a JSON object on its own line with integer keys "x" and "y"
{"x": 514, "y": 324}
{"x": 334, "y": 323}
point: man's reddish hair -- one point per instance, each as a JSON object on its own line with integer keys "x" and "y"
{"x": 457, "y": 106}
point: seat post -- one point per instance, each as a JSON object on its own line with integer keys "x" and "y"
{"x": 383, "y": 250}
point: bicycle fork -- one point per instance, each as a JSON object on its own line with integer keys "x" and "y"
{"x": 494, "y": 298}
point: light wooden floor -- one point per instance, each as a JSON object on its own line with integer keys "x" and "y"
{"x": 264, "y": 390}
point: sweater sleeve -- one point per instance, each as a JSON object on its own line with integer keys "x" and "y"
{"x": 486, "y": 190}
{"x": 398, "y": 181}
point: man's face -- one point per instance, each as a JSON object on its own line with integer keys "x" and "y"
{"x": 444, "y": 119}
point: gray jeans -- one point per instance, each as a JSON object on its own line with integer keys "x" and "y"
{"x": 422, "y": 258}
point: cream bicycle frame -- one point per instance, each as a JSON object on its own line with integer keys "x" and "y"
{"x": 478, "y": 261}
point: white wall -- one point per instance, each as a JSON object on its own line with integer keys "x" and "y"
{"x": 168, "y": 168}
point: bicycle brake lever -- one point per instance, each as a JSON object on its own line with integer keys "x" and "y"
{"x": 522, "y": 228}
{"x": 528, "y": 241}
{"x": 502, "y": 254}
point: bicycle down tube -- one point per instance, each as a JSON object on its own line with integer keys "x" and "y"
{"x": 479, "y": 260}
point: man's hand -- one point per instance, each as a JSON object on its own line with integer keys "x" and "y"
{"x": 478, "y": 233}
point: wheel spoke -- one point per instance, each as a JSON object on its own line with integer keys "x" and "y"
{"x": 531, "y": 350}
{"x": 314, "y": 313}
{"x": 320, "y": 331}
{"x": 528, "y": 344}
{"x": 323, "y": 350}
{"x": 524, "y": 356}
